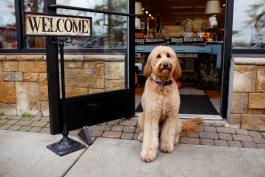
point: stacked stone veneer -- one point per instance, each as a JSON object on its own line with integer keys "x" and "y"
{"x": 24, "y": 87}
{"x": 247, "y": 93}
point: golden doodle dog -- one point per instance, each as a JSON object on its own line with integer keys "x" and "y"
{"x": 160, "y": 102}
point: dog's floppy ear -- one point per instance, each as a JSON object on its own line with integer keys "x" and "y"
{"x": 177, "y": 72}
{"x": 148, "y": 67}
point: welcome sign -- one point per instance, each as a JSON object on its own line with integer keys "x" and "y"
{"x": 57, "y": 25}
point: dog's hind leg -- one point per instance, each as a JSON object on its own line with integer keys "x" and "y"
{"x": 141, "y": 123}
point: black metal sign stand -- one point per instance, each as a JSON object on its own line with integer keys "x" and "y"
{"x": 66, "y": 145}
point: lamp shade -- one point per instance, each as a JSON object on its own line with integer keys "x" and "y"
{"x": 138, "y": 8}
{"x": 213, "y": 7}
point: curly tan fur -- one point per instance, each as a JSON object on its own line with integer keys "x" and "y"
{"x": 161, "y": 105}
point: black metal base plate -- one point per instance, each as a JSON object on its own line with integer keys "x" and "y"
{"x": 65, "y": 146}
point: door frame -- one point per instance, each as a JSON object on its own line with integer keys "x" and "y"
{"x": 85, "y": 104}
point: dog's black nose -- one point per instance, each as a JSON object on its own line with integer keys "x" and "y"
{"x": 165, "y": 64}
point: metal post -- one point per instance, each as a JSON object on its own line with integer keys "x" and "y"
{"x": 66, "y": 145}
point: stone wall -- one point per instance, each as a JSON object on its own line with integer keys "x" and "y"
{"x": 247, "y": 93}
{"x": 24, "y": 87}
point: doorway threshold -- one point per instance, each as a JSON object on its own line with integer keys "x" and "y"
{"x": 204, "y": 116}
{"x": 191, "y": 116}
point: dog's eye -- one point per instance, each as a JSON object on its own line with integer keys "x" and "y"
{"x": 168, "y": 56}
{"x": 158, "y": 56}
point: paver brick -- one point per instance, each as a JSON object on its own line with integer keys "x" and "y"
{"x": 117, "y": 128}
{"x": 106, "y": 127}
{"x": 225, "y": 130}
{"x": 23, "y": 122}
{"x": 129, "y": 129}
{"x": 193, "y": 135}
{"x": 35, "y": 129}
{"x": 235, "y": 144}
{"x": 5, "y": 127}
{"x": 200, "y": 128}
{"x": 96, "y": 133}
{"x": 256, "y": 134}
{"x": 38, "y": 123}
{"x": 94, "y": 128}
{"x": 45, "y": 119}
{"x": 186, "y": 140}
{"x": 27, "y": 119}
{"x": 208, "y": 135}
{"x": 36, "y": 119}
{"x": 137, "y": 130}
{"x": 220, "y": 143}
{"x": 131, "y": 122}
{"x": 3, "y": 121}
{"x": 45, "y": 130}
{"x": 241, "y": 131}
{"x": 209, "y": 129}
{"x": 261, "y": 146}
{"x": 127, "y": 136}
{"x": 15, "y": 117}
{"x": 14, "y": 127}
{"x": 259, "y": 140}
{"x": 114, "y": 122}
{"x": 205, "y": 124}
{"x": 249, "y": 144}
{"x": 25, "y": 128}
{"x": 11, "y": 122}
{"x": 100, "y": 127}
{"x": 225, "y": 136}
{"x": 109, "y": 134}
{"x": 217, "y": 124}
{"x": 74, "y": 132}
{"x": 242, "y": 138}
{"x": 209, "y": 142}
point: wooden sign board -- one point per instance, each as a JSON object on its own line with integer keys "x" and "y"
{"x": 37, "y": 24}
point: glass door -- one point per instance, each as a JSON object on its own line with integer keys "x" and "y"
{"x": 99, "y": 85}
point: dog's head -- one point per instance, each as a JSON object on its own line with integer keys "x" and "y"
{"x": 163, "y": 62}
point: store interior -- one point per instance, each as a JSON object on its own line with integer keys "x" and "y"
{"x": 195, "y": 30}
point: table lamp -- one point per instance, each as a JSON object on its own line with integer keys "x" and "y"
{"x": 213, "y": 7}
{"x": 138, "y": 11}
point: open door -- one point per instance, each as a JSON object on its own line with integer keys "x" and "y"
{"x": 108, "y": 103}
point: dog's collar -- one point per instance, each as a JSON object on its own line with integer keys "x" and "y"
{"x": 163, "y": 83}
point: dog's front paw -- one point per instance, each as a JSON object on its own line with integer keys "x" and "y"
{"x": 148, "y": 154}
{"x": 166, "y": 147}
{"x": 141, "y": 137}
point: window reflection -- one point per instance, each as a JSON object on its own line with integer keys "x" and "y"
{"x": 108, "y": 31}
{"x": 8, "y": 35}
{"x": 34, "y": 6}
{"x": 248, "y": 24}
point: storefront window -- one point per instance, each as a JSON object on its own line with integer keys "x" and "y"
{"x": 8, "y": 34}
{"x": 34, "y": 6}
{"x": 108, "y": 31}
{"x": 248, "y": 24}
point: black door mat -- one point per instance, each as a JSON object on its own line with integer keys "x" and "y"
{"x": 192, "y": 104}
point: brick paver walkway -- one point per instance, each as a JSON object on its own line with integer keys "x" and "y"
{"x": 212, "y": 134}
